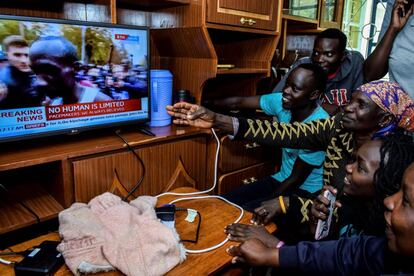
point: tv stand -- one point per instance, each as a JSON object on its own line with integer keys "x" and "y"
{"x": 49, "y": 174}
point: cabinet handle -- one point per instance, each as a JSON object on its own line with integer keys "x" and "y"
{"x": 252, "y": 22}
{"x": 248, "y": 181}
{"x": 252, "y": 145}
{"x": 249, "y": 21}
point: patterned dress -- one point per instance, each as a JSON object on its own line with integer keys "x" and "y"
{"x": 326, "y": 135}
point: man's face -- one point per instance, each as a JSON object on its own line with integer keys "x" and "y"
{"x": 19, "y": 58}
{"x": 54, "y": 78}
{"x": 298, "y": 89}
{"x": 327, "y": 55}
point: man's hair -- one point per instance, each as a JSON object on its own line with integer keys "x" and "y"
{"x": 334, "y": 34}
{"x": 14, "y": 40}
{"x": 319, "y": 75}
{"x": 68, "y": 54}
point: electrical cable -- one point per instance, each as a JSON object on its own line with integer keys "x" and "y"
{"x": 215, "y": 174}
{"x": 21, "y": 203}
{"x": 208, "y": 196}
{"x": 12, "y": 253}
{"x": 6, "y": 262}
{"x": 139, "y": 182}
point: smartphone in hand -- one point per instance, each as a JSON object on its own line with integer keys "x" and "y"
{"x": 322, "y": 229}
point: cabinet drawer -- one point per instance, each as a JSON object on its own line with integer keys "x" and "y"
{"x": 230, "y": 181}
{"x": 257, "y": 14}
{"x": 236, "y": 155}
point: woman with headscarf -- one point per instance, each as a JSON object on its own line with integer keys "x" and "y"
{"x": 377, "y": 108}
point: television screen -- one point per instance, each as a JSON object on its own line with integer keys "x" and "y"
{"x": 64, "y": 77}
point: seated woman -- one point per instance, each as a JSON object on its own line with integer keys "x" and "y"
{"x": 361, "y": 255}
{"x": 362, "y": 204}
{"x": 377, "y": 109}
{"x": 375, "y": 174}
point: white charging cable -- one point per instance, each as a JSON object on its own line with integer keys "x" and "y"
{"x": 204, "y": 197}
{"x": 6, "y": 262}
{"x": 215, "y": 174}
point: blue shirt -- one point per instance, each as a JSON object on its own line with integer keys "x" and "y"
{"x": 272, "y": 105}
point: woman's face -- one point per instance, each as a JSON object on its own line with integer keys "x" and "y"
{"x": 399, "y": 216}
{"x": 362, "y": 114}
{"x": 359, "y": 179}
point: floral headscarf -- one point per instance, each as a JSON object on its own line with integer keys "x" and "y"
{"x": 390, "y": 97}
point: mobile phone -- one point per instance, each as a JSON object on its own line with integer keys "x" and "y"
{"x": 322, "y": 229}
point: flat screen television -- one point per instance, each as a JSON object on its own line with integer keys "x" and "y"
{"x": 61, "y": 76}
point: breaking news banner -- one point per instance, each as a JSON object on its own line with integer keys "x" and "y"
{"x": 91, "y": 109}
{"x": 52, "y": 118}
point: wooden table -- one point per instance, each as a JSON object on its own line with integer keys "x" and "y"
{"x": 215, "y": 214}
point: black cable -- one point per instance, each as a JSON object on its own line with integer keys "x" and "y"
{"x": 198, "y": 226}
{"x": 139, "y": 182}
{"x": 21, "y": 203}
{"x": 21, "y": 253}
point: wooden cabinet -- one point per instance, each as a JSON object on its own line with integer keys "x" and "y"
{"x": 236, "y": 155}
{"x": 218, "y": 49}
{"x": 28, "y": 194}
{"x": 243, "y": 163}
{"x": 42, "y": 177}
{"x": 194, "y": 40}
{"x": 259, "y": 14}
{"x": 188, "y": 37}
{"x": 167, "y": 166}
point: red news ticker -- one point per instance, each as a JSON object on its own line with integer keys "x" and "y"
{"x": 91, "y": 109}
{"x": 121, "y": 36}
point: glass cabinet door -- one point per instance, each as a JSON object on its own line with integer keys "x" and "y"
{"x": 331, "y": 13}
{"x": 302, "y": 8}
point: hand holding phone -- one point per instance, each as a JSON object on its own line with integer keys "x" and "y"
{"x": 323, "y": 226}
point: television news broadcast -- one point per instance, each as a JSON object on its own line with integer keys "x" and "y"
{"x": 63, "y": 77}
